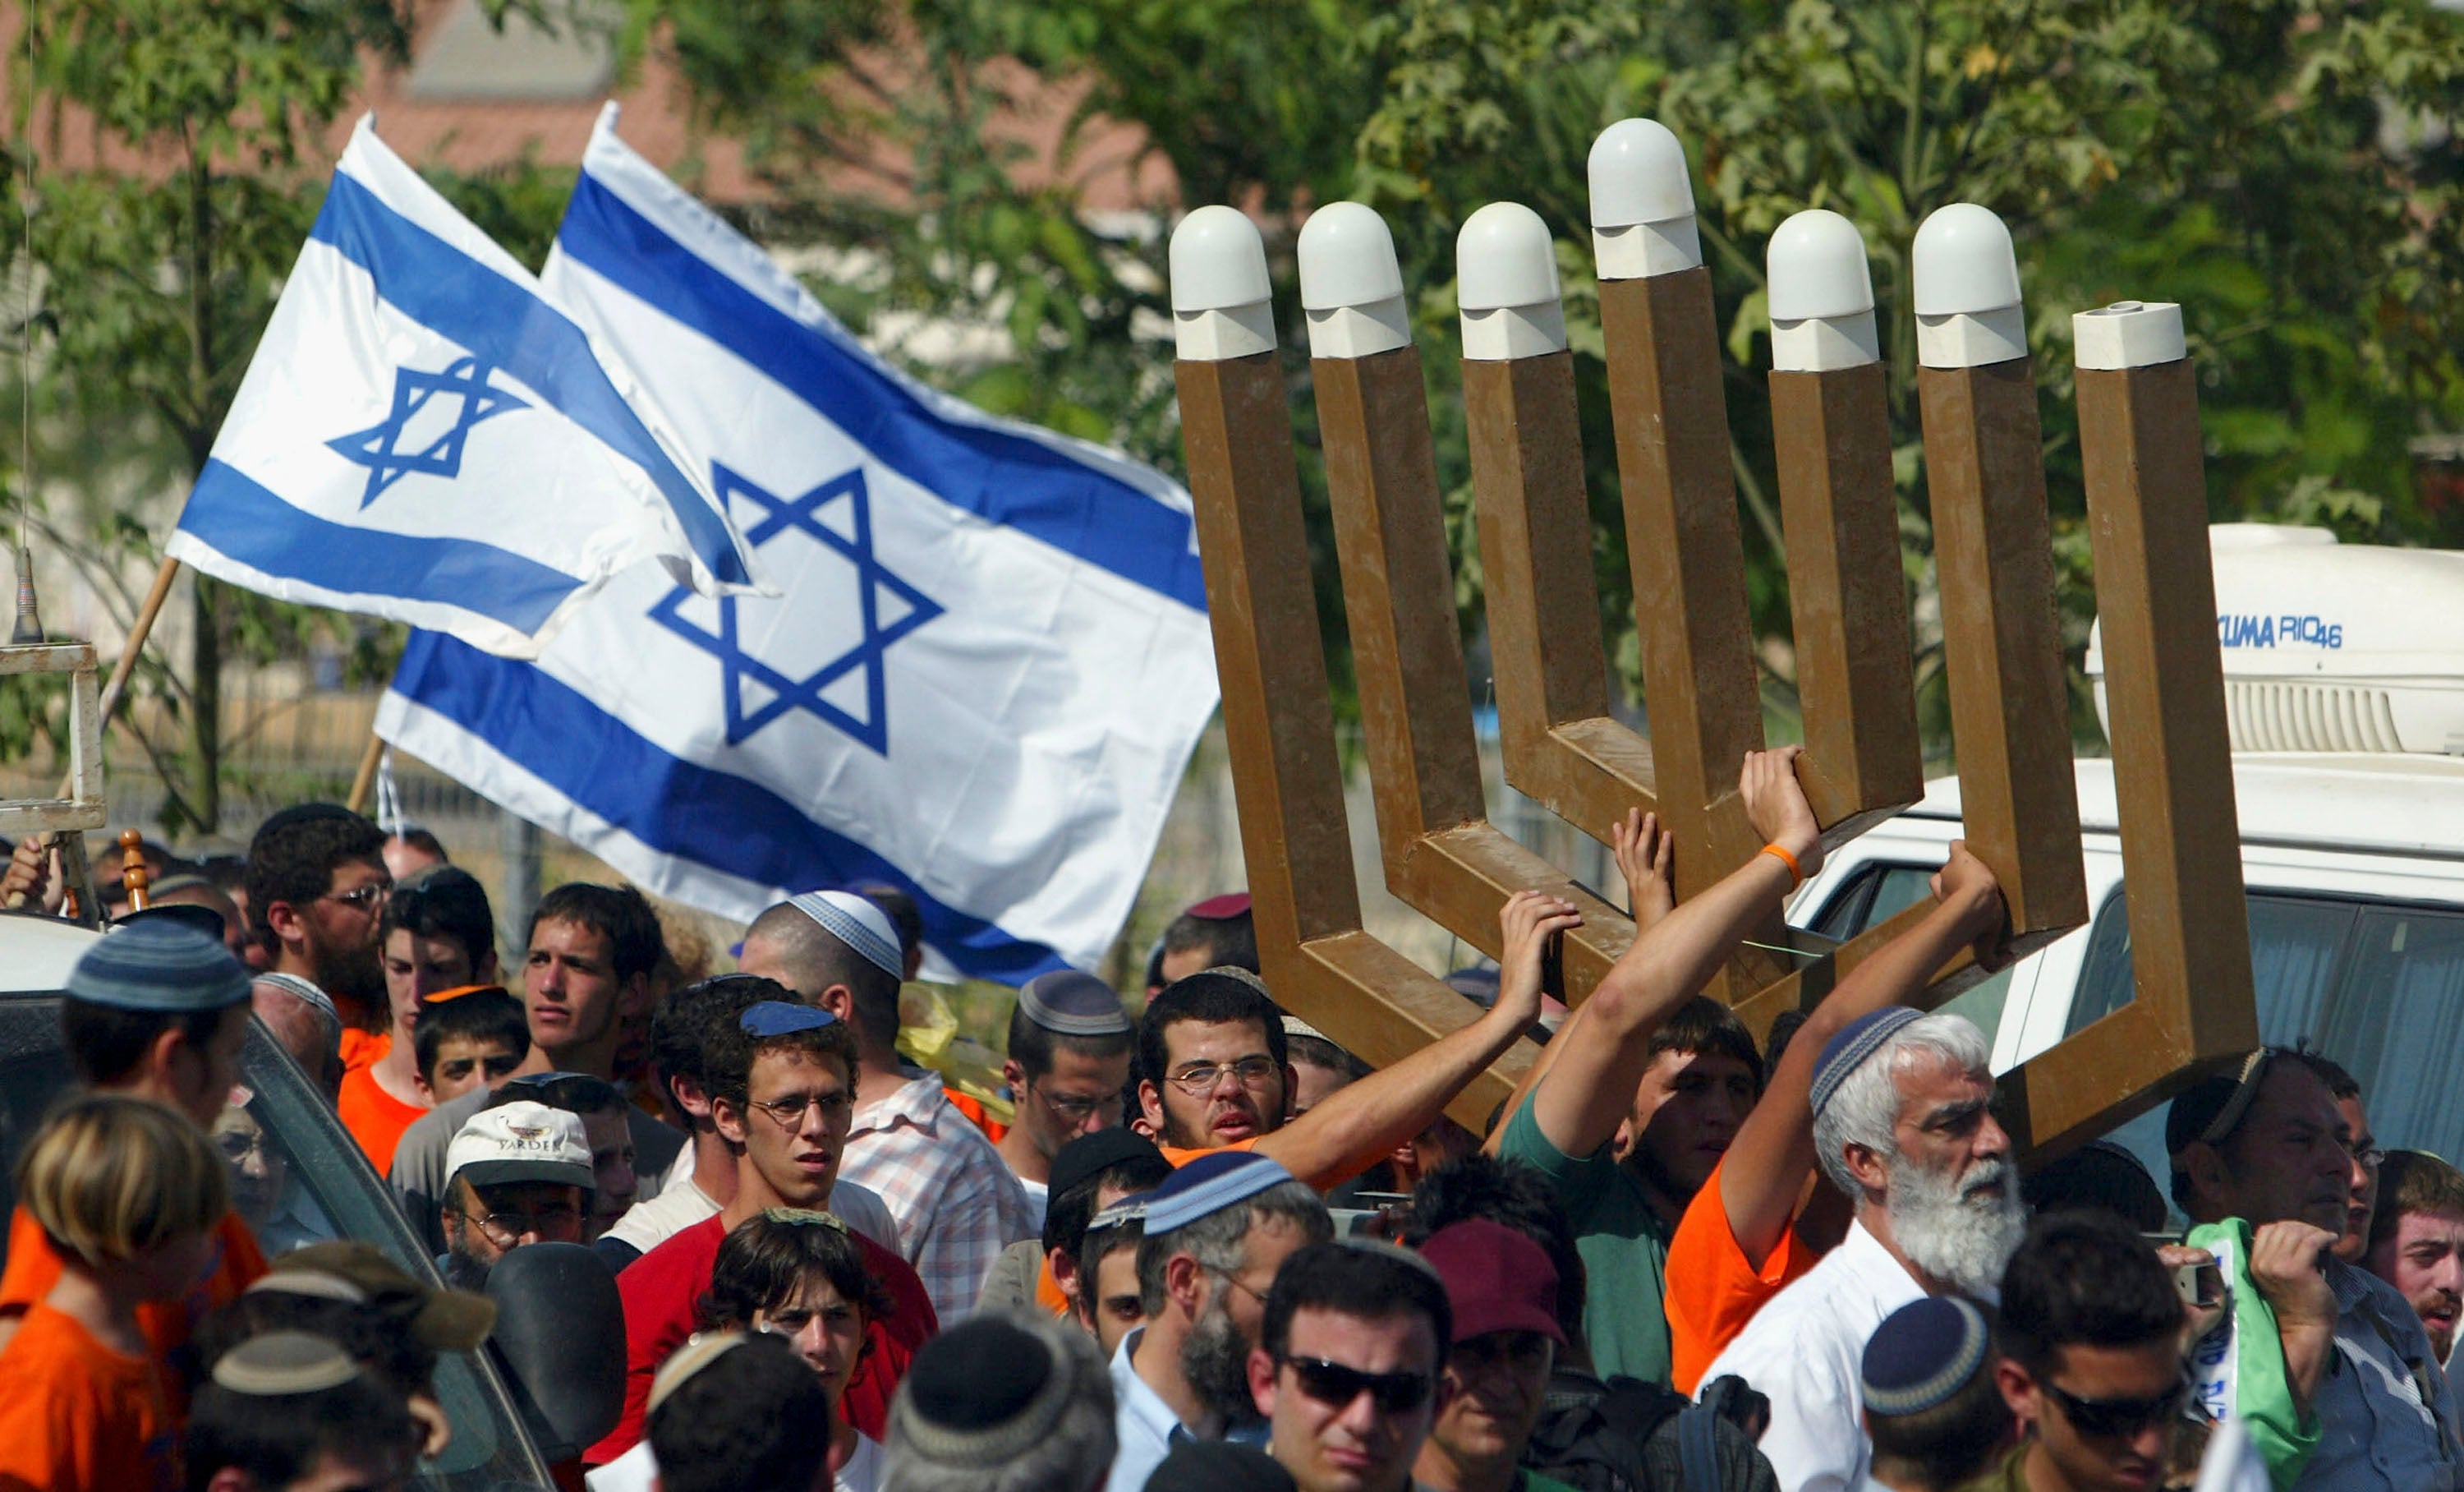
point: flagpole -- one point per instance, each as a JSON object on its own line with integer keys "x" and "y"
{"x": 367, "y": 774}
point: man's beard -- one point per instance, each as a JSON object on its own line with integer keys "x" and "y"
{"x": 355, "y": 975}
{"x": 1959, "y": 1230}
{"x": 1214, "y": 1360}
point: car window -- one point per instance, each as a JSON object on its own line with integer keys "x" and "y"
{"x": 2297, "y": 948}
{"x": 1880, "y": 891}
{"x": 297, "y": 1178}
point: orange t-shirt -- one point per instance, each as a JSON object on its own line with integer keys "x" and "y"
{"x": 1713, "y": 1291}
{"x": 374, "y": 1117}
{"x": 76, "y": 1416}
{"x": 237, "y": 1262}
{"x": 359, "y": 1047}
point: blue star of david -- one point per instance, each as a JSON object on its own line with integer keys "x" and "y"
{"x": 377, "y": 447}
{"x": 803, "y": 514}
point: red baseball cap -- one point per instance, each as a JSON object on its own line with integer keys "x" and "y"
{"x": 1497, "y": 1279}
{"x": 1221, "y": 908}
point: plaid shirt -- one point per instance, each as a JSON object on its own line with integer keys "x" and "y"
{"x": 953, "y": 1196}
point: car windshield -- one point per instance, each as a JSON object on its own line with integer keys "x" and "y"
{"x": 297, "y": 1178}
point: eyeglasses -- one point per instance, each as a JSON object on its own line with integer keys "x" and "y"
{"x": 2119, "y": 1418}
{"x": 1079, "y": 1110}
{"x": 364, "y": 899}
{"x": 1254, "y": 1072}
{"x": 575, "y": 1093}
{"x": 790, "y": 1112}
{"x": 238, "y": 1144}
{"x": 505, "y": 1226}
{"x": 1243, "y": 1285}
{"x": 1337, "y": 1386}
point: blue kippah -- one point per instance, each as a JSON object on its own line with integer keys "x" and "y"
{"x": 1208, "y": 1185}
{"x": 1923, "y": 1353}
{"x": 158, "y": 965}
{"x": 1858, "y": 1040}
{"x": 1068, "y": 1003}
{"x": 778, "y": 1018}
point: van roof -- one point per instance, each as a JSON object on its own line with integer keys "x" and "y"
{"x": 2401, "y": 804}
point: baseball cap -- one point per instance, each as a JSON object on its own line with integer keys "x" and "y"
{"x": 521, "y": 1141}
{"x": 1497, "y": 1279}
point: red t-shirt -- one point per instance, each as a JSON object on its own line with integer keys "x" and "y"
{"x": 663, "y": 1289}
{"x": 77, "y": 1416}
{"x": 1713, "y": 1291}
{"x": 236, "y": 1263}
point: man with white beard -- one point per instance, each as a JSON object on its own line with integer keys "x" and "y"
{"x": 1903, "y": 1123}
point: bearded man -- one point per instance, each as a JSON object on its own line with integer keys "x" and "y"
{"x": 317, "y": 885}
{"x": 1903, "y": 1123}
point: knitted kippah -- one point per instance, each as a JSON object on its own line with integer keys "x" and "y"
{"x": 700, "y": 1349}
{"x": 160, "y": 966}
{"x": 1208, "y": 1185}
{"x": 284, "y": 1363}
{"x": 1923, "y": 1353}
{"x": 982, "y": 1393}
{"x": 1072, "y": 1004}
{"x": 858, "y": 924}
{"x": 1858, "y": 1040}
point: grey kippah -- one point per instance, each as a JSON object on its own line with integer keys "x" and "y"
{"x": 982, "y": 1393}
{"x": 282, "y": 1363}
{"x": 304, "y": 990}
{"x": 1858, "y": 1040}
{"x": 1923, "y": 1353}
{"x": 1071, "y": 1004}
{"x": 158, "y": 965}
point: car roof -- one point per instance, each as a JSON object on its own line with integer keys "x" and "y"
{"x": 38, "y": 952}
{"x": 2398, "y": 803}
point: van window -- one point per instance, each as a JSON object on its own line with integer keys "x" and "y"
{"x": 2377, "y": 986}
{"x": 1882, "y": 890}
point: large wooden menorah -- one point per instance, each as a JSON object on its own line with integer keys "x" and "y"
{"x": 2010, "y": 717}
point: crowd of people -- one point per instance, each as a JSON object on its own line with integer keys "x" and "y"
{"x": 1204, "y": 1247}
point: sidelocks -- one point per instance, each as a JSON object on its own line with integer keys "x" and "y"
{"x": 2140, "y": 446}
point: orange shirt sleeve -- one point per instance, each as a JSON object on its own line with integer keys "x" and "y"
{"x": 374, "y": 1117}
{"x": 33, "y": 1267}
{"x": 1713, "y": 1291}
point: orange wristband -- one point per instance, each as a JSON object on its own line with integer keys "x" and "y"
{"x": 1796, "y": 876}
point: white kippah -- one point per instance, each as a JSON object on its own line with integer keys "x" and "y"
{"x": 857, "y": 923}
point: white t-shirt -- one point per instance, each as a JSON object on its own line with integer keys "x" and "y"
{"x": 1039, "y": 1197}
{"x": 645, "y": 1225}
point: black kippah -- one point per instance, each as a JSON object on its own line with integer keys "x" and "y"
{"x": 987, "y": 1373}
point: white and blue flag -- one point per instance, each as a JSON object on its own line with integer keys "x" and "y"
{"x": 982, "y": 684}
{"x": 425, "y": 435}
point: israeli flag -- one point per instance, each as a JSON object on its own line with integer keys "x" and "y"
{"x": 981, "y": 684}
{"x": 425, "y": 435}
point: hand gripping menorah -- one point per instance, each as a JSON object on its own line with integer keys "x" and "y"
{"x": 2139, "y": 437}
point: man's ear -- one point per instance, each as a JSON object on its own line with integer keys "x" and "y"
{"x": 230, "y": 1479}
{"x": 1150, "y": 1103}
{"x": 487, "y": 970}
{"x": 2019, "y": 1388}
{"x": 1184, "y": 1283}
{"x": 1291, "y": 1090}
{"x": 1015, "y": 1076}
{"x": 2206, "y": 1168}
{"x": 1262, "y": 1381}
{"x": 728, "y": 1119}
{"x": 290, "y": 927}
{"x": 637, "y": 997}
{"x": 839, "y": 1001}
{"x": 1064, "y": 1271}
{"x": 1865, "y": 1164}
{"x": 691, "y": 1095}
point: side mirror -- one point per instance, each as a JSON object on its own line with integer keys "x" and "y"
{"x": 560, "y": 1338}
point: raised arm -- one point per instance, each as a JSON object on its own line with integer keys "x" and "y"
{"x": 1643, "y": 850}
{"x": 1366, "y": 1119}
{"x": 1590, "y": 1087}
{"x": 1765, "y": 1170}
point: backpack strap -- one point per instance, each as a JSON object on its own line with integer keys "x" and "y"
{"x": 1698, "y": 1447}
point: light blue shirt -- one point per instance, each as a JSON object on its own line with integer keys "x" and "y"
{"x": 2387, "y": 1415}
{"x": 1144, "y": 1425}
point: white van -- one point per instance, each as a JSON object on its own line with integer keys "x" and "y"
{"x": 2344, "y": 684}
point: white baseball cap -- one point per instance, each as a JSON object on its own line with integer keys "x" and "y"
{"x": 522, "y": 1141}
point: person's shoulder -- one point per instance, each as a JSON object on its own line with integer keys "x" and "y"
{"x": 687, "y": 1252}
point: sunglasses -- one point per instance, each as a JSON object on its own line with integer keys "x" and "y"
{"x": 2119, "y": 1418}
{"x": 1334, "y": 1384}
